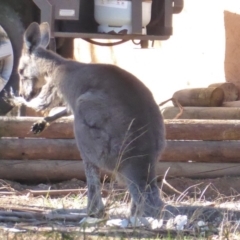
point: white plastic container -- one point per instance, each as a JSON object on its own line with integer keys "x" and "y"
{"x": 115, "y": 15}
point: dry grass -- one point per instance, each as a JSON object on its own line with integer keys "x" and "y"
{"x": 50, "y": 216}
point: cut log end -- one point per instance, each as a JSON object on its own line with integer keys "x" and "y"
{"x": 231, "y": 92}
{"x": 217, "y": 97}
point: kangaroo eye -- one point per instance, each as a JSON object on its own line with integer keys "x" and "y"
{"x": 20, "y": 71}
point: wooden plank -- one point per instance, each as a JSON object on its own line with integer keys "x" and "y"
{"x": 203, "y": 113}
{"x": 178, "y": 129}
{"x": 60, "y": 170}
{"x": 66, "y": 149}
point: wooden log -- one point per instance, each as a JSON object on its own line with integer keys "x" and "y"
{"x": 26, "y": 111}
{"x": 66, "y": 149}
{"x": 28, "y": 149}
{"x": 41, "y": 170}
{"x": 202, "y": 151}
{"x": 195, "y": 129}
{"x": 200, "y": 97}
{"x": 197, "y": 169}
{"x": 175, "y": 129}
{"x": 230, "y": 90}
{"x": 60, "y": 170}
{"x": 20, "y": 127}
{"x": 203, "y": 113}
{"x": 231, "y": 104}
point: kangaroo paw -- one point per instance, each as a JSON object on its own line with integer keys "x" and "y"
{"x": 39, "y": 126}
{"x": 12, "y": 99}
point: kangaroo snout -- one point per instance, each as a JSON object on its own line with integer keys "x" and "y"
{"x": 26, "y": 89}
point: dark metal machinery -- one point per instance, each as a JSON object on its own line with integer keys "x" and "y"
{"x": 81, "y": 24}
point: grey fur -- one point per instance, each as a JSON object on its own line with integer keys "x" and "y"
{"x": 118, "y": 126}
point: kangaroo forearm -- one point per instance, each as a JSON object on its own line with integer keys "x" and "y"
{"x": 54, "y": 117}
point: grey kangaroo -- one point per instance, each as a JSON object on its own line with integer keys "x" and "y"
{"x": 117, "y": 124}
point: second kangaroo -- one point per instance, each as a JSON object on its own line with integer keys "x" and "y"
{"x": 117, "y": 124}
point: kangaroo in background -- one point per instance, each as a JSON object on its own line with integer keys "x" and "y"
{"x": 117, "y": 124}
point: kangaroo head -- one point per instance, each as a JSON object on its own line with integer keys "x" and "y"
{"x": 31, "y": 67}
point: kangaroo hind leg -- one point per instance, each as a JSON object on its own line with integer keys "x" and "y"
{"x": 95, "y": 206}
{"x": 92, "y": 141}
{"x": 144, "y": 192}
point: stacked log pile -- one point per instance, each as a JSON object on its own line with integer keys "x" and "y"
{"x": 217, "y": 101}
{"x": 195, "y": 148}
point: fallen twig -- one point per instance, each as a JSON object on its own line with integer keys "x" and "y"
{"x": 52, "y": 193}
{"x": 166, "y": 183}
{"x": 177, "y": 103}
{"x": 21, "y": 214}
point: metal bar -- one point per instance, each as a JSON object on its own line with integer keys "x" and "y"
{"x": 137, "y": 16}
{"x": 109, "y": 36}
{"x": 5, "y": 49}
{"x": 178, "y": 6}
{"x": 46, "y": 11}
{"x": 47, "y": 15}
{"x": 168, "y": 16}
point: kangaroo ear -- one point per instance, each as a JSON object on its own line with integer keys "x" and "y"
{"x": 45, "y": 34}
{"x": 32, "y": 37}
